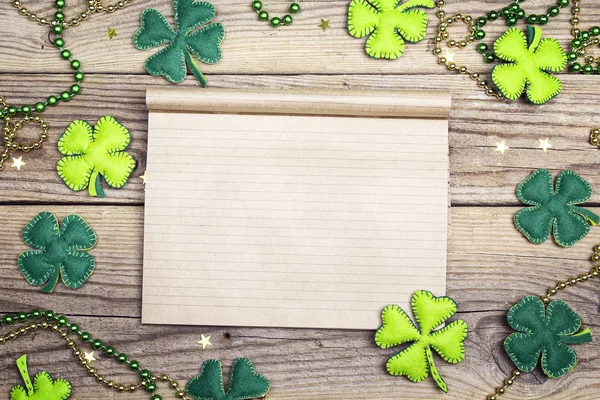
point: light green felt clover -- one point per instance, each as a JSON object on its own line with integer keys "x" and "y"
{"x": 244, "y": 382}
{"x": 554, "y": 210}
{"x": 203, "y": 43}
{"x": 43, "y": 387}
{"x": 389, "y": 23}
{"x": 416, "y": 361}
{"x": 530, "y": 60}
{"x": 546, "y": 332}
{"x": 58, "y": 251}
{"x": 90, "y": 154}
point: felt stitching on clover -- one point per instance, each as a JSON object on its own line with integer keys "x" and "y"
{"x": 417, "y": 361}
{"x": 389, "y": 23}
{"x": 42, "y": 388}
{"x": 554, "y": 210}
{"x": 90, "y": 154}
{"x": 545, "y": 332}
{"x": 191, "y": 38}
{"x": 60, "y": 251}
{"x": 529, "y": 61}
{"x": 244, "y": 382}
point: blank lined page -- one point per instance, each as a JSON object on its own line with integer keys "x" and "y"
{"x": 292, "y": 221}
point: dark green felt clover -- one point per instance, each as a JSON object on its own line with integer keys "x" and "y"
{"x": 554, "y": 210}
{"x": 203, "y": 43}
{"x": 529, "y": 62}
{"x": 58, "y": 251}
{"x": 244, "y": 382}
{"x": 546, "y": 332}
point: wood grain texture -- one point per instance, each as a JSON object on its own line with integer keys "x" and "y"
{"x": 490, "y": 265}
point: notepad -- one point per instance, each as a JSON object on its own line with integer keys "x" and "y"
{"x": 293, "y": 209}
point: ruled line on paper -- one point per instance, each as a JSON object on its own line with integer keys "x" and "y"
{"x": 290, "y": 214}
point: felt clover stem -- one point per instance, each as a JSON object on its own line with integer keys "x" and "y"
{"x": 529, "y": 63}
{"x": 554, "y": 210}
{"x": 416, "y": 361}
{"x": 58, "y": 251}
{"x": 42, "y": 388}
{"x": 90, "y": 154}
{"x": 389, "y": 23}
{"x": 194, "y": 36}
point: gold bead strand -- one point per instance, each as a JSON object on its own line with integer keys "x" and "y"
{"x": 594, "y": 137}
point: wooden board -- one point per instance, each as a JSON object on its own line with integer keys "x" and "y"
{"x": 490, "y": 264}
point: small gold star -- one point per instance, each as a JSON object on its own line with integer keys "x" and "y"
{"x": 112, "y": 33}
{"x": 205, "y": 341}
{"x": 143, "y": 177}
{"x": 89, "y": 357}
{"x": 324, "y": 24}
{"x": 544, "y": 144}
{"x": 18, "y": 163}
{"x": 501, "y": 147}
{"x": 449, "y": 56}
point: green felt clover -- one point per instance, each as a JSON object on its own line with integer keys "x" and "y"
{"x": 58, "y": 251}
{"x": 188, "y": 41}
{"x": 244, "y": 382}
{"x": 547, "y": 332}
{"x": 389, "y": 22}
{"x": 416, "y": 361}
{"x": 530, "y": 60}
{"x": 43, "y": 387}
{"x": 90, "y": 154}
{"x": 554, "y": 210}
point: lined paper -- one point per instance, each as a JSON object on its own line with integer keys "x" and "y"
{"x": 292, "y": 221}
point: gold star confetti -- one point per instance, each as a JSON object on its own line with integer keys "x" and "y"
{"x": 205, "y": 341}
{"x": 544, "y": 144}
{"x": 324, "y": 24}
{"x": 501, "y": 147}
{"x": 143, "y": 177}
{"x": 449, "y": 56}
{"x": 18, "y": 163}
{"x": 112, "y": 33}
{"x": 89, "y": 357}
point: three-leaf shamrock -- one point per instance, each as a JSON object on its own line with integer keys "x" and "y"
{"x": 244, "y": 382}
{"x": 43, "y": 387}
{"x": 389, "y": 23}
{"x": 58, "y": 251}
{"x": 90, "y": 154}
{"x": 188, "y": 41}
{"x": 546, "y": 332}
{"x": 554, "y": 210}
{"x": 416, "y": 361}
{"x": 530, "y": 61}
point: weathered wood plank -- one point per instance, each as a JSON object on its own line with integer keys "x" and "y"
{"x": 252, "y": 46}
{"x": 490, "y": 266}
{"x": 478, "y": 174}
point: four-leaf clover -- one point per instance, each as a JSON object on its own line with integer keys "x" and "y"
{"x": 58, "y": 251}
{"x": 416, "y": 361}
{"x": 546, "y": 332}
{"x": 43, "y": 387}
{"x": 90, "y": 154}
{"x": 244, "y": 382}
{"x": 529, "y": 63}
{"x": 389, "y": 23}
{"x": 188, "y": 41}
{"x": 554, "y": 210}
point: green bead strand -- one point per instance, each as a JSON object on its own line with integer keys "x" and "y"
{"x": 287, "y": 19}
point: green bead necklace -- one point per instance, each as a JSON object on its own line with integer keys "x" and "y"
{"x": 9, "y": 112}
{"x": 71, "y": 333}
{"x": 275, "y": 21}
